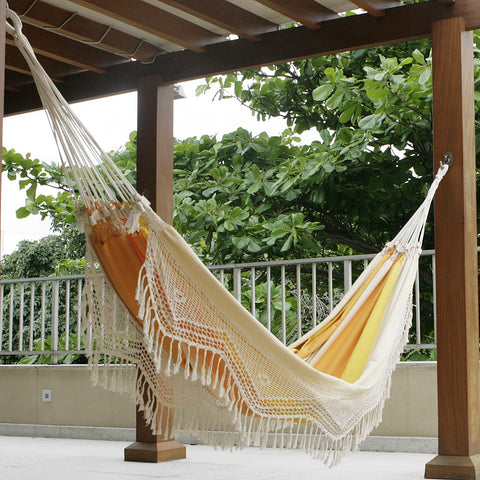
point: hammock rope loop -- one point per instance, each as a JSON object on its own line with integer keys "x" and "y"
{"x": 94, "y": 173}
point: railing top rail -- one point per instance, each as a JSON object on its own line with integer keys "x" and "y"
{"x": 42, "y": 279}
{"x": 273, "y": 263}
{"x": 303, "y": 261}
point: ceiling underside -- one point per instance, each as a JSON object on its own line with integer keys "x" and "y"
{"x": 99, "y": 47}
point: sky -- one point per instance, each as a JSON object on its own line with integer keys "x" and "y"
{"x": 110, "y": 120}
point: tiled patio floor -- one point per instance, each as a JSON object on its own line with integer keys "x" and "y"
{"x": 24, "y": 458}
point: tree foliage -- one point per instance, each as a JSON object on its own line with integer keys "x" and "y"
{"x": 62, "y": 254}
{"x": 372, "y": 110}
{"x": 252, "y": 198}
{"x": 245, "y": 198}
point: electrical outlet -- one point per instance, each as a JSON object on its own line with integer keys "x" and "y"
{"x": 46, "y": 395}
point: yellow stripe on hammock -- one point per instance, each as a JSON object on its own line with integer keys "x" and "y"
{"x": 356, "y": 339}
{"x": 359, "y": 357}
{"x": 313, "y": 343}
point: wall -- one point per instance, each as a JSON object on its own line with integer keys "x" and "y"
{"x": 411, "y": 410}
{"x": 74, "y": 400}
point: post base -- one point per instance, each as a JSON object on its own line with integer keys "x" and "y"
{"x": 155, "y": 452}
{"x": 454, "y": 467}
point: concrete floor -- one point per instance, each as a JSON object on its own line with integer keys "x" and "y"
{"x": 23, "y": 458}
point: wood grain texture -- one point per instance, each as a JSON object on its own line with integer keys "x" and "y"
{"x": 155, "y": 145}
{"x": 155, "y": 180}
{"x": 3, "y": 5}
{"x": 225, "y": 15}
{"x": 361, "y": 31}
{"x": 456, "y": 253}
{"x": 76, "y": 27}
{"x": 307, "y": 12}
{"x": 158, "y": 22}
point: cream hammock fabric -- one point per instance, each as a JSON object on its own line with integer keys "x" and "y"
{"x": 197, "y": 350}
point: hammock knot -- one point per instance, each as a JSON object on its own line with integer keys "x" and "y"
{"x": 81, "y": 217}
{"x": 139, "y": 207}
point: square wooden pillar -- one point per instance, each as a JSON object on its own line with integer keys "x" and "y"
{"x": 155, "y": 181}
{"x": 155, "y": 145}
{"x": 3, "y": 7}
{"x": 456, "y": 256}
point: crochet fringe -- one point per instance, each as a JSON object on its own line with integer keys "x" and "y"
{"x": 176, "y": 399}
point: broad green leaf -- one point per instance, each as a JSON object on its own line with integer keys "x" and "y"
{"x": 32, "y": 191}
{"x": 418, "y": 56}
{"x": 425, "y": 76}
{"x": 253, "y": 246}
{"x": 22, "y": 212}
{"x": 371, "y": 122}
{"x": 330, "y": 74}
{"x": 322, "y": 92}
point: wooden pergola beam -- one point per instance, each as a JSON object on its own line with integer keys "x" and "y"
{"x": 376, "y": 8}
{"x": 67, "y": 50}
{"x": 15, "y": 61}
{"x": 149, "y": 18}
{"x": 400, "y": 24}
{"x": 62, "y": 22}
{"x": 307, "y": 12}
{"x": 349, "y": 33}
{"x": 155, "y": 145}
{"x": 227, "y": 16}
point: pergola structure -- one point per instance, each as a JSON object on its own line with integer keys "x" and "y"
{"x": 94, "y": 48}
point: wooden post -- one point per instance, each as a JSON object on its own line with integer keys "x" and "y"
{"x": 456, "y": 256}
{"x": 155, "y": 145}
{"x": 155, "y": 181}
{"x": 3, "y": 6}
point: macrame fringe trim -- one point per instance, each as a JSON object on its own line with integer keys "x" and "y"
{"x": 219, "y": 420}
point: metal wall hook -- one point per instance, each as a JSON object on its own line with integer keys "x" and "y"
{"x": 447, "y": 159}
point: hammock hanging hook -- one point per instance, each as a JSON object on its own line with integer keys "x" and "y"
{"x": 447, "y": 159}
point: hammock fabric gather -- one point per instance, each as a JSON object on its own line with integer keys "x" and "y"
{"x": 198, "y": 352}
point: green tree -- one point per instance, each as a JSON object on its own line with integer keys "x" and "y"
{"x": 244, "y": 198}
{"x": 40, "y": 258}
{"x": 54, "y": 254}
{"x": 252, "y": 198}
{"x": 372, "y": 111}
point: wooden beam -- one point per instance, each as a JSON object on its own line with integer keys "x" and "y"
{"x": 376, "y": 7}
{"x": 399, "y": 24}
{"x": 307, "y": 12}
{"x": 456, "y": 255}
{"x": 67, "y": 50}
{"x": 225, "y": 15}
{"x": 155, "y": 21}
{"x": 11, "y": 89}
{"x": 16, "y": 80}
{"x": 155, "y": 181}
{"x": 15, "y": 61}
{"x": 101, "y": 36}
{"x": 362, "y": 31}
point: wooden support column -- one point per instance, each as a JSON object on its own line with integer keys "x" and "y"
{"x": 155, "y": 181}
{"x": 155, "y": 145}
{"x": 456, "y": 256}
{"x": 3, "y": 6}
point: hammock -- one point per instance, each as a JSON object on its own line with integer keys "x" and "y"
{"x": 198, "y": 352}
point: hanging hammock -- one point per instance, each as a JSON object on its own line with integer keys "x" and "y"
{"x": 198, "y": 352}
